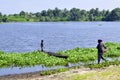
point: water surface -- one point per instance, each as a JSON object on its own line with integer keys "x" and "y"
{"x": 25, "y": 37}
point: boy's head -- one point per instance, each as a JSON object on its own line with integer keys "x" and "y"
{"x": 99, "y": 40}
{"x": 41, "y": 40}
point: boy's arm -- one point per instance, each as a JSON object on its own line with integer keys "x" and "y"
{"x": 104, "y": 46}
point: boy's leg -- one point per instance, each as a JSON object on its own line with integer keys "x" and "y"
{"x": 99, "y": 57}
{"x": 103, "y": 57}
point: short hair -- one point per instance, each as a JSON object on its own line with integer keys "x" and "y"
{"x": 99, "y": 40}
{"x": 41, "y": 40}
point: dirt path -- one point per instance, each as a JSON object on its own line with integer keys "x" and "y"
{"x": 110, "y": 72}
{"x": 65, "y": 75}
{"x": 37, "y": 76}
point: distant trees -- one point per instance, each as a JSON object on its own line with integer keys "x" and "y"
{"x": 56, "y": 14}
{"x": 22, "y": 14}
{"x": 114, "y": 15}
{"x": 0, "y": 17}
{"x": 3, "y": 18}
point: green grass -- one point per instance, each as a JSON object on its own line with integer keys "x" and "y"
{"x": 111, "y": 73}
{"x": 16, "y": 19}
{"x": 49, "y": 72}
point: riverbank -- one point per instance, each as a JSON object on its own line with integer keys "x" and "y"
{"x": 107, "y": 73}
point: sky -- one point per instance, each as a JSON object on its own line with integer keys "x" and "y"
{"x": 15, "y": 6}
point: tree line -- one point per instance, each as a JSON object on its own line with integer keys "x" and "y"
{"x": 56, "y": 14}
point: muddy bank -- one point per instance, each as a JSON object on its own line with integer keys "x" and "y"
{"x": 70, "y": 74}
{"x": 38, "y": 76}
{"x": 21, "y": 76}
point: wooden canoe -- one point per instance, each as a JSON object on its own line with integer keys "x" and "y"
{"x": 55, "y": 54}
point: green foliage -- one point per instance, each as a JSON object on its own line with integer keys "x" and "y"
{"x": 29, "y": 59}
{"x": 75, "y": 55}
{"x": 113, "y": 50}
{"x": 81, "y": 54}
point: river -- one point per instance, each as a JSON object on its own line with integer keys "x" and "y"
{"x": 26, "y": 37}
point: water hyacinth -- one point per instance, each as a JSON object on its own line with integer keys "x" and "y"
{"x": 40, "y": 58}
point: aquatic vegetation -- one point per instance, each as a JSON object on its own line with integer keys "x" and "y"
{"x": 29, "y": 59}
{"x": 113, "y": 49}
{"x": 103, "y": 64}
{"x": 40, "y": 58}
{"x": 80, "y": 54}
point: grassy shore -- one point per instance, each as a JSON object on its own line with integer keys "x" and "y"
{"x": 110, "y": 73}
{"x": 107, "y": 73}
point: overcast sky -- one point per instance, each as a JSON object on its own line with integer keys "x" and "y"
{"x": 15, "y": 6}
